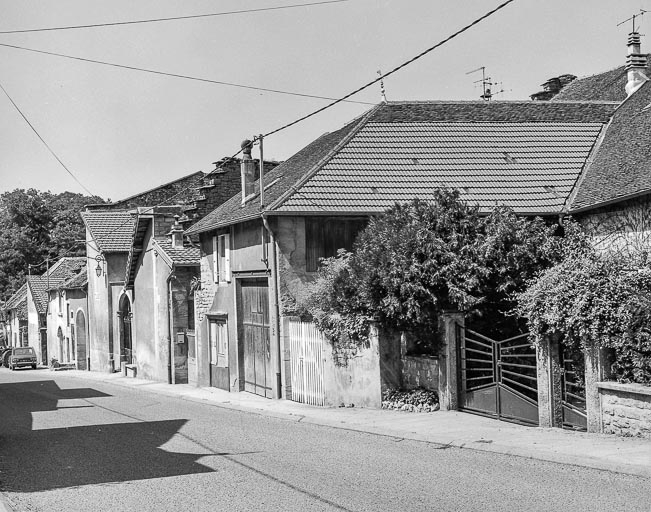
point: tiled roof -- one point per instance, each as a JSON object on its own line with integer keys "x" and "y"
{"x": 14, "y": 301}
{"x": 111, "y": 230}
{"x": 61, "y": 271}
{"x": 526, "y": 155}
{"x": 189, "y": 255}
{"x": 277, "y": 182}
{"x": 608, "y": 86}
{"x": 622, "y": 165}
{"x": 78, "y": 281}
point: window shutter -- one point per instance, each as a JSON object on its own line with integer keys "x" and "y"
{"x": 227, "y": 258}
{"x": 215, "y": 260}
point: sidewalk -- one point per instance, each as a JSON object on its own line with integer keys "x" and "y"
{"x": 454, "y": 429}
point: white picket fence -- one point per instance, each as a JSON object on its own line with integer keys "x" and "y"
{"x": 307, "y": 363}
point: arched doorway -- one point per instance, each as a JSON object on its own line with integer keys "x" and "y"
{"x": 126, "y": 348}
{"x": 83, "y": 360}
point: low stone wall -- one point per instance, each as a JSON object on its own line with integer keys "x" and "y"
{"x": 420, "y": 372}
{"x": 625, "y": 409}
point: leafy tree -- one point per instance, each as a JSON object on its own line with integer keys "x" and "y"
{"x": 34, "y": 226}
{"x": 421, "y": 258}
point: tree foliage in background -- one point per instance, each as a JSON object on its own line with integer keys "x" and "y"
{"x": 421, "y": 258}
{"x": 34, "y": 226}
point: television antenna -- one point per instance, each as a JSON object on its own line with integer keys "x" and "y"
{"x": 642, "y": 13}
{"x": 486, "y": 84}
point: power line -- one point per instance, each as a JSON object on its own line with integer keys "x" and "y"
{"x": 45, "y": 143}
{"x": 172, "y": 18}
{"x": 175, "y": 75}
{"x": 394, "y": 70}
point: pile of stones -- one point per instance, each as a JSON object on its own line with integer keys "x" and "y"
{"x": 415, "y": 400}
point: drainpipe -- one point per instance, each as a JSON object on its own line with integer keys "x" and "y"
{"x": 170, "y": 348}
{"x": 274, "y": 277}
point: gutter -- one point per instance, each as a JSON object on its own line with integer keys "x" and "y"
{"x": 169, "y": 323}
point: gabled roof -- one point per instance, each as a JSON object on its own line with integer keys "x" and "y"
{"x": 18, "y": 302}
{"x": 622, "y": 165}
{"x": 61, "y": 271}
{"x": 78, "y": 281}
{"x": 179, "y": 190}
{"x": 190, "y": 255}
{"x": 527, "y": 155}
{"x": 607, "y": 86}
{"x": 112, "y": 231}
{"x": 282, "y": 178}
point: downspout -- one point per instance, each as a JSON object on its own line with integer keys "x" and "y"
{"x": 275, "y": 305}
{"x": 170, "y": 348}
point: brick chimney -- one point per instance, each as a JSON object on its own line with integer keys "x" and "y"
{"x": 176, "y": 234}
{"x": 635, "y": 64}
{"x": 248, "y": 170}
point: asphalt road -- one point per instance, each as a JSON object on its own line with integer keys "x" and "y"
{"x": 68, "y": 444}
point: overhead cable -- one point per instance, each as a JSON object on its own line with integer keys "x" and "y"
{"x": 394, "y": 70}
{"x": 176, "y": 75}
{"x": 45, "y": 143}
{"x": 171, "y": 18}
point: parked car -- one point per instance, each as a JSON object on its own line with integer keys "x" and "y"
{"x": 22, "y": 356}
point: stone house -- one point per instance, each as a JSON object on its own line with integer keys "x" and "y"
{"x": 67, "y": 313}
{"x": 15, "y": 310}
{"x": 156, "y": 309}
{"x": 255, "y": 255}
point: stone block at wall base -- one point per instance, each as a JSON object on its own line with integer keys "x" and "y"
{"x": 625, "y": 409}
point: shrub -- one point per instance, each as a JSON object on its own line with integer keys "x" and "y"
{"x": 594, "y": 300}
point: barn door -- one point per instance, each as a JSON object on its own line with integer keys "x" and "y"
{"x": 254, "y": 332}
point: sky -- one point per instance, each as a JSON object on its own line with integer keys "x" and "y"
{"x": 121, "y": 131}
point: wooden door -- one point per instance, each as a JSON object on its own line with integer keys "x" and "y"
{"x": 254, "y": 329}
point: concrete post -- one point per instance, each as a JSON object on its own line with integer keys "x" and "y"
{"x": 449, "y": 360}
{"x": 549, "y": 366}
{"x": 596, "y": 370}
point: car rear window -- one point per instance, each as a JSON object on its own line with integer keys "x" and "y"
{"x": 23, "y": 351}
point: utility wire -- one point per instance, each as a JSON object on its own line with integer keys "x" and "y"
{"x": 144, "y": 210}
{"x": 172, "y": 18}
{"x": 175, "y": 75}
{"x": 394, "y": 70}
{"x": 45, "y": 143}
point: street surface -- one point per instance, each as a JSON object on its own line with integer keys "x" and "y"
{"x": 67, "y": 444}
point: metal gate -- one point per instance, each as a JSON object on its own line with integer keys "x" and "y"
{"x": 307, "y": 363}
{"x": 498, "y": 378}
{"x": 573, "y": 389}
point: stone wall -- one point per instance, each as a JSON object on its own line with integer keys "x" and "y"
{"x": 625, "y": 409}
{"x": 420, "y": 372}
{"x": 624, "y": 228}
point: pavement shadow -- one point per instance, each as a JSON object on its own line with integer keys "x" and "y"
{"x": 45, "y": 459}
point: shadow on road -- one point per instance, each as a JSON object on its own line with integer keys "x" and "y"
{"x": 38, "y": 460}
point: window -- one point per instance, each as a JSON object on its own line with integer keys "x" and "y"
{"x": 218, "y": 342}
{"x": 68, "y": 313}
{"x": 221, "y": 258}
{"x": 324, "y": 236}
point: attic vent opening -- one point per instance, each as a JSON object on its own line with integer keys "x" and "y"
{"x": 509, "y": 159}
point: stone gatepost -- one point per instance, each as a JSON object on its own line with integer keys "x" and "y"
{"x": 449, "y": 325}
{"x": 597, "y": 369}
{"x": 549, "y": 367}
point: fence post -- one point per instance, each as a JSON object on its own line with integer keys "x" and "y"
{"x": 596, "y": 370}
{"x": 449, "y": 360}
{"x": 548, "y": 363}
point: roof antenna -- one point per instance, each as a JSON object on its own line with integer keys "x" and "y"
{"x": 485, "y": 81}
{"x": 382, "y": 90}
{"x": 642, "y": 12}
